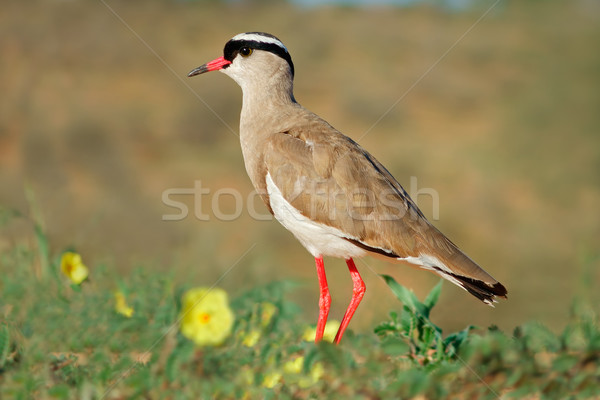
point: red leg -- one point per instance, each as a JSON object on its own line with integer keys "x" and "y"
{"x": 324, "y": 298}
{"x": 358, "y": 292}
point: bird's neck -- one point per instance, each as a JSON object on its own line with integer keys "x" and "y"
{"x": 265, "y": 111}
{"x": 265, "y": 100}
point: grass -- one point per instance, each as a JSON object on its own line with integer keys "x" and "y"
{"x": 66, "y": 341}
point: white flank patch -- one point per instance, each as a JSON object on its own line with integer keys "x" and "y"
{"x": 434, "y": 264}
{"x": 318, "y": 239}
{"x": 428, "y": 262}
{"x": 259, "y": 38}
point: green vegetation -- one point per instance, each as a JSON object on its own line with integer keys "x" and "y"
{"x": 67, "y": 341}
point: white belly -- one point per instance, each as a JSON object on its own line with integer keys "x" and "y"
{"x": 319, "y": 239}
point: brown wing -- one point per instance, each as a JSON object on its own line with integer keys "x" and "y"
{"x": 332, "y": 180}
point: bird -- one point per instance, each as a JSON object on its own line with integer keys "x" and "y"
{"x": 321, "y": 185}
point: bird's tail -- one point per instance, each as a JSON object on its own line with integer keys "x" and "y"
{"x": 434, "y": 252}
{"x": 484, "y": 291}
{"x": 444, "y": 258}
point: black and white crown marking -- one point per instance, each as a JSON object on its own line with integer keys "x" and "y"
{"x": 257, "y": 41}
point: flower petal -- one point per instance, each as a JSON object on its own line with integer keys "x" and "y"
{"x": 205, "y": 316}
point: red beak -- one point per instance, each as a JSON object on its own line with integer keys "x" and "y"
{"x": 214, "y": 65}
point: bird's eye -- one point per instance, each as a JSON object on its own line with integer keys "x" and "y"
{"x": 245, "y": 51}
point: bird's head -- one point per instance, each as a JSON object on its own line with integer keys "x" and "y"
{"x": 252, "y": 58}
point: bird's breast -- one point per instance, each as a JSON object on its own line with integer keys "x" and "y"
{"x": 318, "y": 238}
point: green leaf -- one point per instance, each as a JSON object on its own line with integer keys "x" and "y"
{"x": 386, "y": 327}
{"x": 394, "y": 346}
{"x": 310, "y": 358}
{"x": 4, "y": 344}
{"x": 564, "y": 362}
{"x": 76, "y": 287}
{"x": 38, "y": 227}
{"x": 406, "y": 296}
{"x": 181, "y": 354}
{"x": 538, "y": 337}
{"x": 453, "y": 341}
{"x": 429, "y": 337}
{"x": 407, "y": 319}
{"x": 43, "y": 248}
{"x": 409, "y": 384}
{"x": 8, "y": 214}
{"x": 433, "y": 296}
{"x": 60, "y": 391}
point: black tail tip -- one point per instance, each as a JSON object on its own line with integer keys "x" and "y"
{"x": 484, "y": 291}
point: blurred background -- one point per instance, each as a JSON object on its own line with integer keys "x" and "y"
{"x": 98, "y": 119}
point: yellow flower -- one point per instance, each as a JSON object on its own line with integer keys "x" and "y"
{"x": 73, "y": 268}
{"x": 121, "y": 306}
{"x": 251, "y": 338}
{"x": 331, "y": 328}
{"x": 293, "y": 366}
{"x": 268, "y": 310}
{"x": 205, "y": 316}
{"x": 315, "y": 374}
{"x": 262, "y": 314}
{"x": 293, "y": 371}
{"x": 271, "y": 379}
